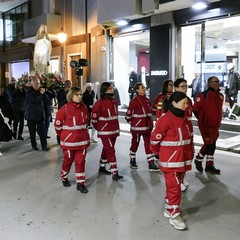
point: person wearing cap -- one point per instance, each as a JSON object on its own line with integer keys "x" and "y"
{"x": 171, "y": 139}
{"x": 89, "y": 98}
{"x": 208, "y": 111}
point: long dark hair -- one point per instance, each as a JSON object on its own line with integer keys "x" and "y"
{"x": 165, "y": 86}
{"x": 104, "y": 87}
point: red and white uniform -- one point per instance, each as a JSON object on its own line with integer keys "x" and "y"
{"x": 172, "y": 139}
{"x": 139, "y": 115}
{"x": 105, "y": 121}
{"x": 71, "y": 126}
{"x": 208, "y": 110}
{"x": 189, "y": 109}
{"x": 157, "y": 106}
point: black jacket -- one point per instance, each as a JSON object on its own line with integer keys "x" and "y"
{"x": 6, "y": 109}
{"x": 34, "y": 108}
{"x": 18, "y": 100}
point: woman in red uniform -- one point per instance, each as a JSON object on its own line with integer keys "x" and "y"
{"x": 139, "y": 115}
{"x": 171, "y": 139}
{"x": 105, "y": 121}
{"x": 71, "y": 125}
{"x": 167, "y": 90}
{"x": 180, "y": 85}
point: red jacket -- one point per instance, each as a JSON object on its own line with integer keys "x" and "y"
{"x": 189, "y": 109}
{"x": 172, "y": 140}
{"x": 105, "y": 117}
{"x": 139, "y": 114}
{"x": 71, "y": 125}
{"x": 208, "y": 108}
{"x": 157, "y": 106}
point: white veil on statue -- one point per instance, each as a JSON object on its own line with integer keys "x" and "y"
{"x": 42, "y": 50}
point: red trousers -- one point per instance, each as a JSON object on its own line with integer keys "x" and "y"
{"x": 78, "y": 156}
{"x": 135, "y": 143}
{"x": 209, "y": 136}
{"x": 173, "y": 192}
{"x": 108, "y": 154}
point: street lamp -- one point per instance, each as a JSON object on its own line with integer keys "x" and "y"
{"x": 62, "y": 37}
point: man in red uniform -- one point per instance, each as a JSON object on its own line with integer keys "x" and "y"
{"x": 139, "y": 115}
{"x": 208, "y": 111}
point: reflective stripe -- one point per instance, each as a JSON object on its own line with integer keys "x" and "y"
{"x": 75, "y": 127}
{"x": 175, "y": 143}
{"x": 94, "y": 121}
{"x": 139, "y": 116}
{"x": 108, "y": 119}
{"x": 108, "y": 132}
{"x": 80, "y": 181}
{"x": 154, "y": 142}
{"x": 139, "y": 128}
{"x": 58, "y": 128}
{"x": 75, "y": 144}
{"x": 175, "y": 164}
{"x": 80, "y": 174}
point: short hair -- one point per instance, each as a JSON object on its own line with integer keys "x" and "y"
{"x": 71, "y": 92}
{"x": 104, "y": 87}
{"x": 137, "y": 85}
{"x": 68, "y": 82}
{"x": 165, "y": 86}
{"x": 179, "y": 81}
{"x": 210, "y": 79}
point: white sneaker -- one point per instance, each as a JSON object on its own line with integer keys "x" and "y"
{"x": 1, "y": 154}
{"x": 166, "y": 214}
{"x": 177, "y": 222}
{"x": 183, "y": 187}
{"x": 185, "y": 182}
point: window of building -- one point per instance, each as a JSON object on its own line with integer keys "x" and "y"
{"x": 12, "y": 22}
{"x": 207, "y": 48}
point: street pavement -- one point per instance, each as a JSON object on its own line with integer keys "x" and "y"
{"x": 35, "y": 205}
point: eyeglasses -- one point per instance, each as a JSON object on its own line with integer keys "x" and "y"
{"x": 183, "y": 86}
{"x": 78, "y": 94}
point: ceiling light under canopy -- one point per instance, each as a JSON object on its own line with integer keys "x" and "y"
{"x": 200, "y": 4}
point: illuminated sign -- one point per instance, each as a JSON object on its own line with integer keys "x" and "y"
{"x": 159, "y": 73}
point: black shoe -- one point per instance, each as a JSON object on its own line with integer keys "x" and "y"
{"x": 199, "y": 165}
{"x": 82, "y": 188}
{"x": 104, "y": 171}
{"x": 45, "y": 148}
{"x": 48, "y": 136}
{"x": 133, "y": 163}
{"x": 66, "y": 183}
{"x": 14, "y": 135}
{"x": 116, "y": 177}
{"x": 212, "y": 169}
{"x": 35, "y": 148}
{"x": 153, "y": 168}
{"x": 20, "y": 137}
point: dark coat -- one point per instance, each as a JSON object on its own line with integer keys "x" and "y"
{"x": 18, "y": 100}
{"x": 5, "y": 131}
{"x": 34, "y": 105}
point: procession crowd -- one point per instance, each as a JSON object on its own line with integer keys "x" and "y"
{"x": 168, "y": 145}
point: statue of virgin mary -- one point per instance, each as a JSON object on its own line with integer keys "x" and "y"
{"x": 42, "y": 50}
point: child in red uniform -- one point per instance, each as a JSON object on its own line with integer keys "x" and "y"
{"x": 71, "y": 125}
{"x": 139, "y": 115}
{"x": 172, "y": 139}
